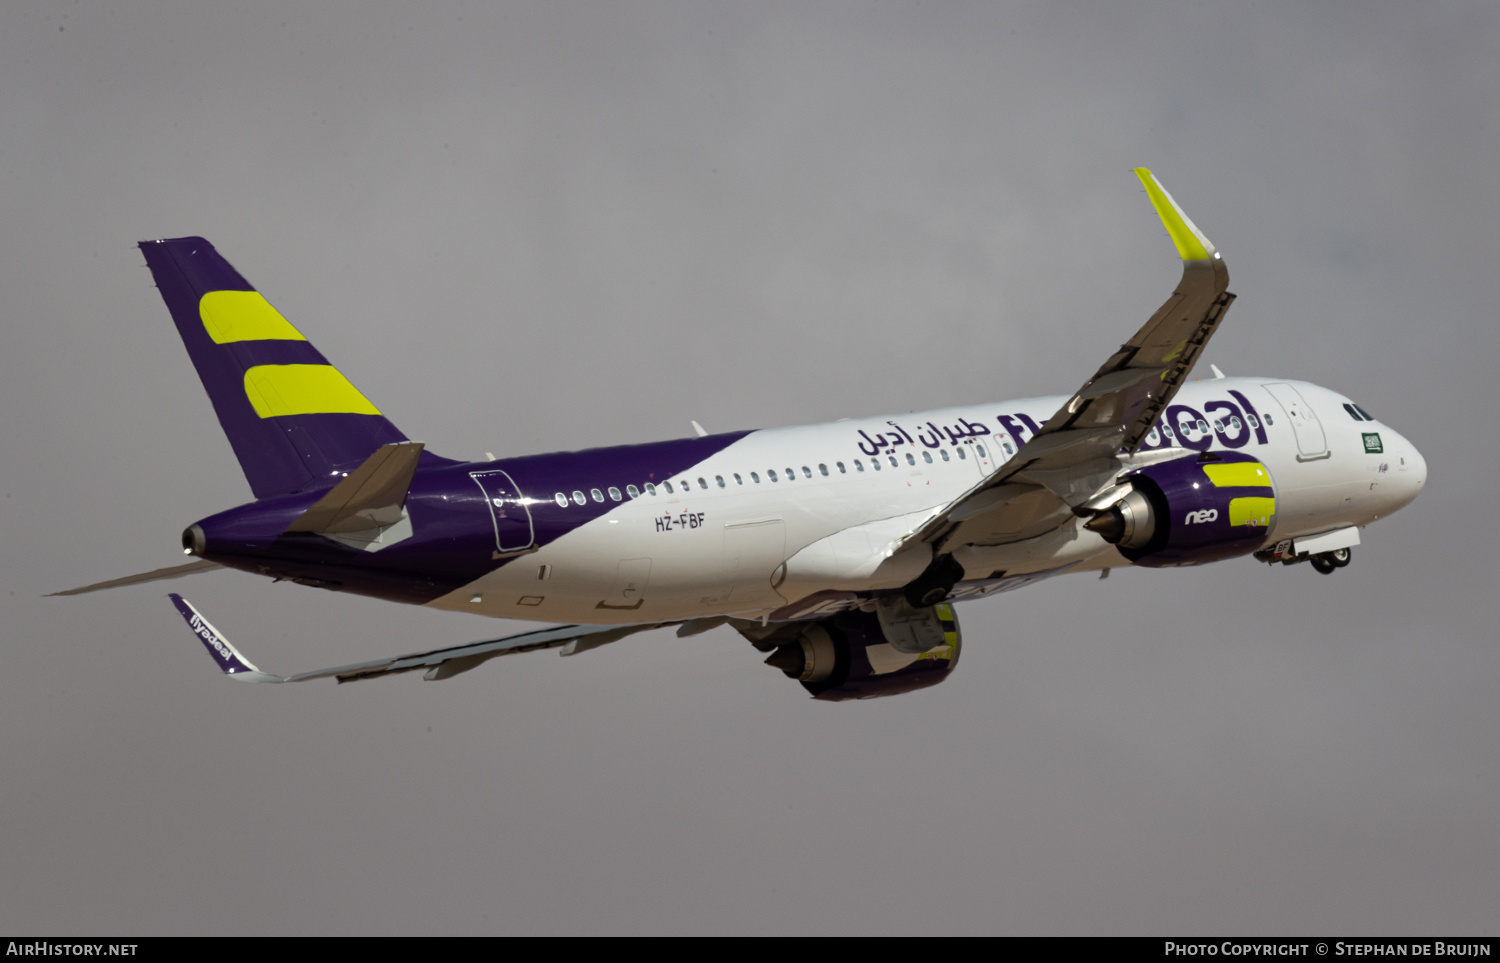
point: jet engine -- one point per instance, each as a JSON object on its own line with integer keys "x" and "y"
{"x": 864, "y": 654}
{"x": 1191, "y": 510}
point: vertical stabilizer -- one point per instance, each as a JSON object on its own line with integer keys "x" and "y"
{"x": 293, "y": 419}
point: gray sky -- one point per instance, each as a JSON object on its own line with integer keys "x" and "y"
{"x": 526, "y": 227}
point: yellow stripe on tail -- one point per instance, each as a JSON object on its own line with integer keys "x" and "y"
{"x": 231, "y": 316}
{"x": 303, "y": 389}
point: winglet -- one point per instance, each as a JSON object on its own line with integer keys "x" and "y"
{"x": 235, "y": 666}
{"x": 1191, "y": 244}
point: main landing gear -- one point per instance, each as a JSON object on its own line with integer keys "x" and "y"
{"x": 933, "y": 585}
{"x": 1325, "y": 562}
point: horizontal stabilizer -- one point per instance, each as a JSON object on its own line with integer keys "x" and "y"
{"x": 370, "y": 497}
{"x": 438, "y": 663}
{"x": 175, "y": 571}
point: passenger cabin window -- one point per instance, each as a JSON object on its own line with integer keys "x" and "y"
{"x": 823, "y": 469}
{"x": 927, "y": 457}
{"x": 650, "y": 489}
{"x": 980, "y": 449}
{"x": 755, "y": 478}
{"x": 667, "y": 486}
{"x": 598, "y": 495}
{"x": 842, "y": 469}
{"x": 944, "y": 453}
{"x": 1168, "y": 432}
{"x": 632, "y": 491}
{"x": 719, "y": 480}
{"x": 791, "y": 474}
{"x": 1151, "y": 438}
{"x": 1008, "y": 449}
{"x": 961, "y": 455}
{"x": 859, "y": 465}
{"x": 1253, "y": 422}
{"x": 561, "y": 499}
{"x": 806, "y": 472}
{"x": 911, "y": 459}
{"x": 1267, "y": 419}
{"x": 704, "y": 484}
{"x": 875, "y": 463}
{"x": 614, "y": 494}
{"x": 771, "y": 474}
{"x": 578, "y": 498}
{"x": 737, "y": 479}
{"x": 894, "y": 462}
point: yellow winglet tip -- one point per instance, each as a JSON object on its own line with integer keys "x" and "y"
{"x": 1192, "y": 245}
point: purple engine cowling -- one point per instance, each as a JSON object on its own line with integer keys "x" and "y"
{"x": 848, "y": 657}
{"x": 1191, "y": 510}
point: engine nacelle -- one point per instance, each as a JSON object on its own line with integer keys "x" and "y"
{"x": 1191, "y": 510}
{"x": 864, "y": 655}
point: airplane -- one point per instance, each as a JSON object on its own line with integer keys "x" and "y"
{"x": 838, "y": 550}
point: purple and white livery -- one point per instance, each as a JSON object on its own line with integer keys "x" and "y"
{"x": 838, "y": 549}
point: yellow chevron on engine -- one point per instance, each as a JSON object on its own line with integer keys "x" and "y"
{"x": 1247, "y": 474}
{"x": 1251, "y": 511}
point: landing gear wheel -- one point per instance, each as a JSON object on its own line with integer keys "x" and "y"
{"x": 1322, "y": 564}
{"x": 1339, "y": 557}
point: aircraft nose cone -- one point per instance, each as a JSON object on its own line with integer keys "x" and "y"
{"x": 1410, "y": 472}
{"x": 1417, "y": 469}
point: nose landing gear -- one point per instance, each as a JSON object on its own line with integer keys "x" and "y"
{"x": 1325, "y": 562}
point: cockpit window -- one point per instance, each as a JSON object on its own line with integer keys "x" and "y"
{"x": 1368, "y": 416}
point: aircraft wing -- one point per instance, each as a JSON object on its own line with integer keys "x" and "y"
{"x": 438, "y": 663}
{"x": 1077, "y": 452}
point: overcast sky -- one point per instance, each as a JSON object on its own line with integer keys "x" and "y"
{"x": 531, "y": 227}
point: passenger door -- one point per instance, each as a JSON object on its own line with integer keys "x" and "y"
{"x": 1311, "y": 442}
{"x": 514, "y": 533}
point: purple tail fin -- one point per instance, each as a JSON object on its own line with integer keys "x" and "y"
{"x": 294, "y": 421}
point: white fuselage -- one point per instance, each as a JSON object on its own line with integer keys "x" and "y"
{"x": 783, "y": 514}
